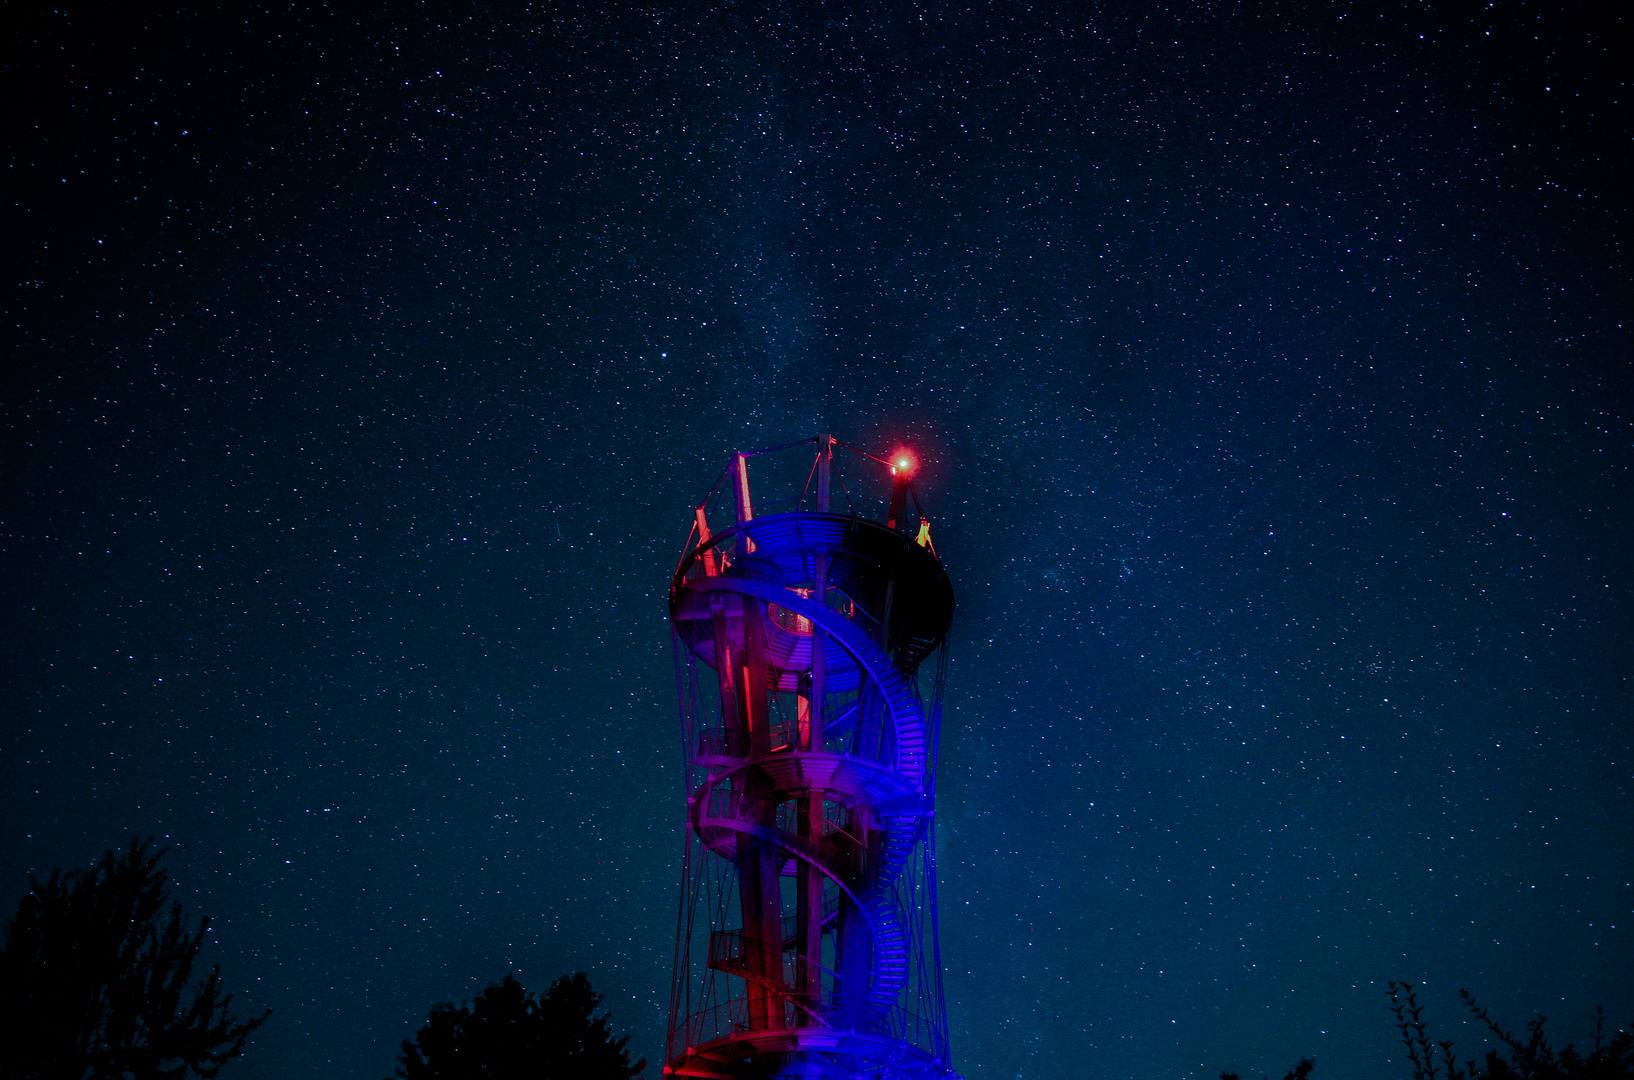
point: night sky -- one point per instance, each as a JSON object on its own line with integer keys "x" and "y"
{"x": 1270, "y": 370}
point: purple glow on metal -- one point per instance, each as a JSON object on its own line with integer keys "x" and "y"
{"x": 806, "y": 944}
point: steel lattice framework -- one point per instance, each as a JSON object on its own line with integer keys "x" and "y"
{"x": 806, "y": 944}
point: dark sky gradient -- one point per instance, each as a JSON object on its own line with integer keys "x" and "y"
{"x": 1269, "y": 364}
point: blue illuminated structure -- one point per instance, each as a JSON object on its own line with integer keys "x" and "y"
{"x": 806, "y": 944}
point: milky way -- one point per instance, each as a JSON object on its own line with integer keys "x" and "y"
{"x": 1270, "y": 373}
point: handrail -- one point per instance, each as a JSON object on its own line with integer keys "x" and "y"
{"x": 785, "y": 446}
{"x": 717, "y": 541}
{"x": 799, "y": 500}
{"x": 725, "y": 802}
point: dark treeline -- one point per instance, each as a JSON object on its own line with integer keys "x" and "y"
{"x": 97, "y": 980}
{"x": 96, "y": 983}
{"x": 1529, "y": 1058}
{"x": 508, "y": 1032}
{"x": 1532, "y": 1057}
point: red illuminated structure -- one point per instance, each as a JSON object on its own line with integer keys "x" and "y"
{"x": 807, "y": 937}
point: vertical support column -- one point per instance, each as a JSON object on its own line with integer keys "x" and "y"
{"x": 760, "y": 863}
{"x": 899, "y": 497}
{"x": 899, "y": 510}
{"x": 759, "y": 889}
{"x": 740, "y": 488}
{"x": 819, "y": 593}
{"x": 809, "y": 934}
{"x": 737, "y": 739}
{"x": 825, "y": 469}
{"x": 811, "y": 879}
{"x": 853, "y": 944}
{"x": 704, "y": 536}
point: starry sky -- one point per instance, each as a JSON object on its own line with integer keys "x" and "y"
{"x": 1269, "y": 367}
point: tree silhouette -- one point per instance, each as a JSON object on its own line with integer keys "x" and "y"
{"x": 508, "y": 1034}
{"x": 94, "y": 980}
{"x": 1298, "y": 1072}
{"x": 1531, "y": 1058}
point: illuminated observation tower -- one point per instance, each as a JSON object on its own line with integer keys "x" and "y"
{"x": 806, "y": 944}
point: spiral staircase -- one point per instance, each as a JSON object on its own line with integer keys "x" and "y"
{"x": 812, "y": 759}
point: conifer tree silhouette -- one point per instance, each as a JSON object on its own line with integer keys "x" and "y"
{"x": 508, "y": 1034}
{"x": 94, "y": 980}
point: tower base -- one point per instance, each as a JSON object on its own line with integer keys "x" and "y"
{"x": 807, "y": 1054}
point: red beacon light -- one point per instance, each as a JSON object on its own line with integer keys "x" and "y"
{"x": 902, "y": 466}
